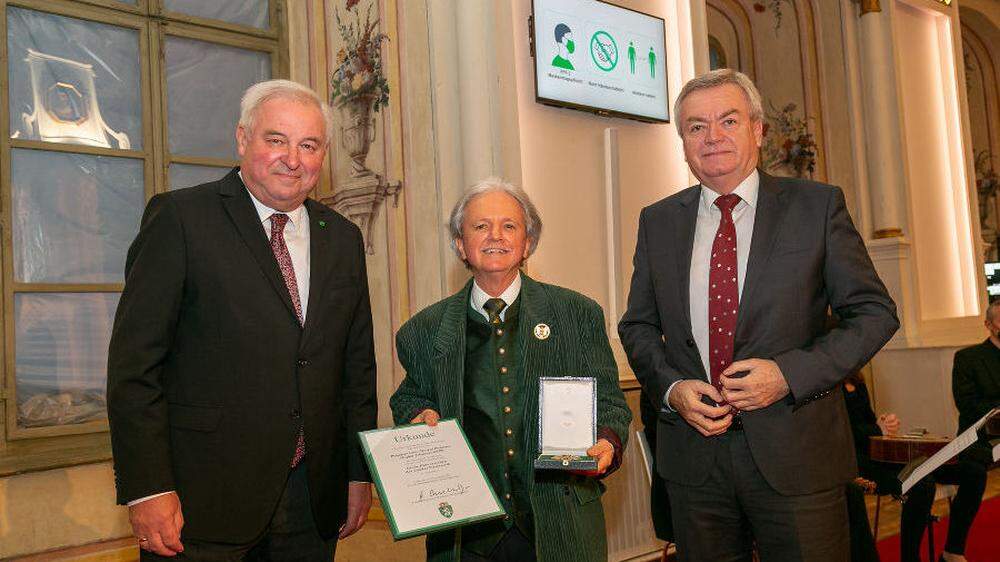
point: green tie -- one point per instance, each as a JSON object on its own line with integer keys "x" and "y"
{"x": 493, "y": 307}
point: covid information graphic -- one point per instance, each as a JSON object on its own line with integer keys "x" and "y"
{"x": 604, "y": 50}
{"x": 599, "y": 57}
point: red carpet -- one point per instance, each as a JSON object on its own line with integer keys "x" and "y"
{"x": 984, "y": 539}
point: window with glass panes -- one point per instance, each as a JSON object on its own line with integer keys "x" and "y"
{"x": 107, "y": 102}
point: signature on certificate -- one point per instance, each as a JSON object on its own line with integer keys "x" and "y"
{"x": 435, "y": 493}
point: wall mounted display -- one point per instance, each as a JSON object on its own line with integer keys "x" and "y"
{"x": 598, "y": 57}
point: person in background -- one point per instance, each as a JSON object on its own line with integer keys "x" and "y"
{"x": 917, "y": 503}
{"x": 968, "y": 473}
{"x": 975, "y": 384}
{"x": 659, "y": 501}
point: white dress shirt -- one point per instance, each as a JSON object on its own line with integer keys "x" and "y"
{"x": 479, "y": 297}
{"x": 706, "y": 226}
{"x": 296, "y": 236}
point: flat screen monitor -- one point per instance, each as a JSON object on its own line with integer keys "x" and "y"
{"x": 993, "y": 279}
{"x": 598, "y": 57}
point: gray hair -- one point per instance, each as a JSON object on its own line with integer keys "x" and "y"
{"x": 991, "y": 310}
{"x": 532, "y": 220}
{"x": 265, "y": 91}
{"x": 714, "y": 79}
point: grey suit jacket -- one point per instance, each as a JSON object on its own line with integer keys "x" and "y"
{"x": 805, "y": 257}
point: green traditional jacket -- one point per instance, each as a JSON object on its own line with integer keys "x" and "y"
{"x": 568, "y": 515}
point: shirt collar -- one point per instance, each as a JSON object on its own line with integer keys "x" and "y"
{"x": 295, "y": 216}
{"x": 479, "y": 297}
{"x": 747, "y": 190}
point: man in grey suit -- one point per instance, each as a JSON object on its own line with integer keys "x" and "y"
{"x": 727, "y": 326}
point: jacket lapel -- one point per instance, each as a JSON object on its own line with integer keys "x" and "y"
{"x": 236, "y": 201}
{"x": 766, "y": 224}
{"x": 685, "y": 219}
{"x": 537, "y": 354}
{"x": 449, "y": 352}
{"x": 535, "y": 310}
{"x": 322, "y": 256}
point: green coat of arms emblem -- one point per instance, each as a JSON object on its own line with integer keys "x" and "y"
{"x": 446, "y": 509}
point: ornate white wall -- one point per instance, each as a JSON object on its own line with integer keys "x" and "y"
{"x": 458, "y": 114}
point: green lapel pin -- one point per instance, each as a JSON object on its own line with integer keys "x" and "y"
{"x": 322, "y": 224}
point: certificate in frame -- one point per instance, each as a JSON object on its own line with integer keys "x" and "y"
{"x": 567, "y": 423}
{"x": 428, "y": 478}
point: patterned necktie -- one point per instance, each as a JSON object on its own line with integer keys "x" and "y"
{"x": 280, "y": 249}
{"x": 278, "y": 222}
{"x": 494, "y": 307}
{"x": 723, "y": 291}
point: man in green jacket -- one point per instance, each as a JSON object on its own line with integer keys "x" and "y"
{"x": 477, "y": 356}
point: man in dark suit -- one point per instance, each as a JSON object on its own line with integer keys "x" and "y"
{"x": 241, "y": 363}
{"x": 975, "y": 383}
{"x": 726, "y": 326}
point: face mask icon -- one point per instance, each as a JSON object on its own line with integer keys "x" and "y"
{"x": 565, "y": 47}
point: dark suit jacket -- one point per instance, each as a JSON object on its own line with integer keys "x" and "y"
{"x": 975, "y": 384}
{"x": 210, "y": 374}
{"x": 569, "y": 519}
{"x": 805, "y": 256}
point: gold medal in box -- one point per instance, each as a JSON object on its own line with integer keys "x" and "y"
{"x": 567, "y": 423}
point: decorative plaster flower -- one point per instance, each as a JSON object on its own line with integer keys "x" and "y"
{"x": 791, "y": 147}
{"x": 776, "y": 9}
{"x": 358, "y": 77}
{"x": 357, "y": 81}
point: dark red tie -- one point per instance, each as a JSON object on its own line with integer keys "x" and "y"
{"x": 278, "y": 221}
{"x": 723, "y": 291}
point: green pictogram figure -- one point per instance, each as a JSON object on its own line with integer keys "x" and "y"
{"x": 631, "y": 57}
{"x": 652, "y": 63}
{"x": 604, "y": 51}
{"x": 564, "y": 39}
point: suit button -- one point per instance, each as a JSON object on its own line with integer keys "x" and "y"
{"x": 296, "y": 414}
{"x": 303, "y": 362}
{"x": 689, "y": 343}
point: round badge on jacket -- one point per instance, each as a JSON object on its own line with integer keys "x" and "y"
{"x": 542, "y": 331}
